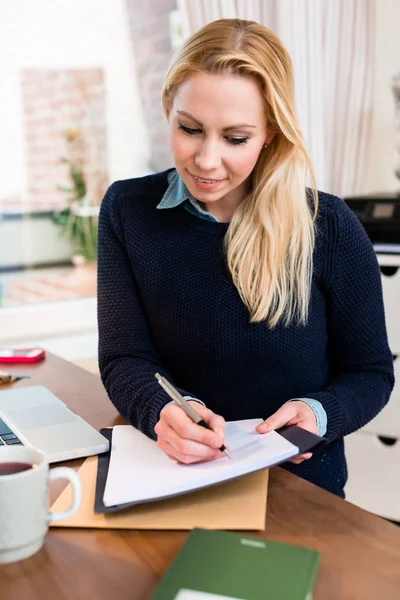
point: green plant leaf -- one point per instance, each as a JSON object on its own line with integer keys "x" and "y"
{"x": 64, "y": 188}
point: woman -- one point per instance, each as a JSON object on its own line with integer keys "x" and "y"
{"x": 249, "y": 292}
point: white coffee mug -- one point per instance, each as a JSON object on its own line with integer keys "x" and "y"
{"x": 24, "y": 515}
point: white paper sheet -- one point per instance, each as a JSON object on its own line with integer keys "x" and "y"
{"x": 194, "y": 595}
{"x": 139, "y": 471}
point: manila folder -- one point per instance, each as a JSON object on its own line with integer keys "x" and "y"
{"x": 239, "y": 504}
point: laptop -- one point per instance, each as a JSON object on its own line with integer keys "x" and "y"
{"x": 34, "y": 416}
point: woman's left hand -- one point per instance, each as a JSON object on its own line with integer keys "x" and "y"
{"x": 292, "y": 413}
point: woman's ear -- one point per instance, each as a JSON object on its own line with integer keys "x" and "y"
{"x": 269, "y": 137}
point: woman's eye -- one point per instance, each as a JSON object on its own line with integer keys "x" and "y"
{"x": 189, "y": 130}
{"x": 236, "y": 141}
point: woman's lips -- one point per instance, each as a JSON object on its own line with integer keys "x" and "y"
{"x": 206, "y": 183}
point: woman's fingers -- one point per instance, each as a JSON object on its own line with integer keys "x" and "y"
{"x": 281, "y": 417}
{"x": 185, "y": 441}
{"x": 295, "y": 412}
{"x": 187, "y": 447}
{"x": 216, "y": 422}
{"x": 174, "y": 417}
{"x": 186, "y": 458}
{"x": 292, "y": 413}
{"x": 299, "y": 459}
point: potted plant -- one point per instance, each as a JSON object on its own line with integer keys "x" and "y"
{"x": 78, "y": 219}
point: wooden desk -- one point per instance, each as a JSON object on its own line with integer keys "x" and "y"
{"x": 360, "y": 553}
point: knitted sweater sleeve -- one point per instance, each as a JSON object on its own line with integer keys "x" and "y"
{"x": 128, "y": 358}
{"x": 361, "y": 364}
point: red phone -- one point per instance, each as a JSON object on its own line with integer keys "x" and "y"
{"x": 21, "y": 355}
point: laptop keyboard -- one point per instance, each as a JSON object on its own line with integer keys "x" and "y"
{"x": 7, "y": 437}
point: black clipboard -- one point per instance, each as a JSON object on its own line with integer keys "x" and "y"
{"x": 302, "y": 439}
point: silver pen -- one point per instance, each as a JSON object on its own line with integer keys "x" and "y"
{"x": 185, "y": 406}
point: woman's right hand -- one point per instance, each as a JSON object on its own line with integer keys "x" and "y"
{"x": 185, "y": 441}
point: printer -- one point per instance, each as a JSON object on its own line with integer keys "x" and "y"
{"x": 380, "y": 217}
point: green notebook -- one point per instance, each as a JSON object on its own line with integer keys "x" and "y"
{"x": 219, "y": 565}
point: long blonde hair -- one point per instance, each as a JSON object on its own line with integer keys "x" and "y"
{"x": 270, "y": 240}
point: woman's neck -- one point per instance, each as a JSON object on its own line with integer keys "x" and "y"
{"x": 224, "y": 208}
{"x": 222, "y": 214}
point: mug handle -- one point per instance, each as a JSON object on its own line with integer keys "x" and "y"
{"x": 73, "y": 478}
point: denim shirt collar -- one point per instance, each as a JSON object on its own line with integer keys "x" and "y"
{"x": 177, "y": 193}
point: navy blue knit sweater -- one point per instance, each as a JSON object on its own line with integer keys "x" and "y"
{"x": 166, "y": 303}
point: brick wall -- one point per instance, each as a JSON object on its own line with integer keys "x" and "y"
{"x": 149, "y": 27}
{"x": 55, "y": 101}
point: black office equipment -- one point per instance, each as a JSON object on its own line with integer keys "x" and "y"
{"x": 379, "y": 215}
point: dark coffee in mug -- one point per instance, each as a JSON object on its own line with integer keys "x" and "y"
{"x": 9, "y": 468}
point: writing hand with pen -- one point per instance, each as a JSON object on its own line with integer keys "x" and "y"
{"x": 187, "y": 431}
{"x": 190, "y": 436}
{"x": 185, "y": 441}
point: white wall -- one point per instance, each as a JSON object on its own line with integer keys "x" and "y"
{"x": 382, "y": 155}
{"x": 67, "y": 328}
{"x": 47, "y": 34}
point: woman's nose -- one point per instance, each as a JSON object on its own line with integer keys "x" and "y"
{"x": 208, "y": 157}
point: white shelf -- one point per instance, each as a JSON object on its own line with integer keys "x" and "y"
{"x": 48, "y": 320}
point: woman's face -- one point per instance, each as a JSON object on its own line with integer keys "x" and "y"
{"x": 217, "y": 131}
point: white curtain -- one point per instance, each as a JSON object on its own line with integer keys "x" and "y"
{"x": 331, "y": 45}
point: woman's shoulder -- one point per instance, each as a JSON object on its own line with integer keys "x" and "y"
{"x": 340, "y": 236}
{"x": 130, "y": 201}
{"x": 333, "y": 214}
{"x": 327, "y": 203}
{"x": 148, "y": 186}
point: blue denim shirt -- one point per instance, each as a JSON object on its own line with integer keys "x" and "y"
{"x": 176, "y": 194}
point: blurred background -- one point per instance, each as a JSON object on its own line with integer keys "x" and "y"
{"x": 80, "y": 84}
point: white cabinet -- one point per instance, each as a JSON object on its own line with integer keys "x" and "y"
{"x": 374, "y": 474}
{"x": 387, "y": 423}
{"x": 391, "y": 298}
{"x": 373, "y": 453}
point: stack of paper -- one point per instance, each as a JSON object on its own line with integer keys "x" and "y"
{"x": 140, "y": 472}
{"x": 149, "y": 491}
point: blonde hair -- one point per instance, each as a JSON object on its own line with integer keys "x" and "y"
{"x": 270, "y": 240}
